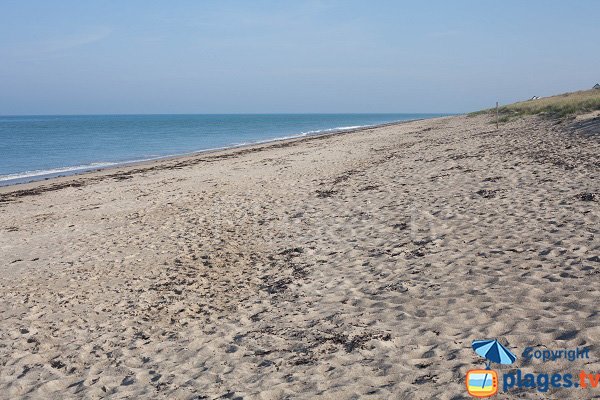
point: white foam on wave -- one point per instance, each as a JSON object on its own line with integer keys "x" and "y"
{"x": 337, "y": 129}
{"x": 37, "y": 174}
{"x": 51, "y": 171}
{"x": 293, "y": 136}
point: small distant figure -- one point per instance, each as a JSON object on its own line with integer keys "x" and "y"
{"x": 535, "y": 98}
{"x": 596, "y": 86}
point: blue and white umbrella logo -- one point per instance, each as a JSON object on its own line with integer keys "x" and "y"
{"x": 493, "y": 351}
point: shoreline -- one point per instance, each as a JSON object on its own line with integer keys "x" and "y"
{"x": 95, "y": 172}
{"x": 75, "y": 170}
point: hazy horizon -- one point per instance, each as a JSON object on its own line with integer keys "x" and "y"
{"x": 209, "y": 114}
{"x": 317, "y": 57}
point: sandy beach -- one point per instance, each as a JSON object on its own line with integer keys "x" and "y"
{"x": 356, "y": 265}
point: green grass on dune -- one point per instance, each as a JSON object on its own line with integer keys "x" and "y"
{"x": 564, "y": 105}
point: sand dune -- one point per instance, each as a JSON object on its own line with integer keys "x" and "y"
{"x": 357, "y": 265}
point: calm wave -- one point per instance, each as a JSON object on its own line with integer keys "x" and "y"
{"x": 38, "y": 147}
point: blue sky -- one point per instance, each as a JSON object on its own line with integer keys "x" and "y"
{"x": 79, "y": 57}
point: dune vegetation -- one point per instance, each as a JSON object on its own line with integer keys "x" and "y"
{"x": 560, "y": 106}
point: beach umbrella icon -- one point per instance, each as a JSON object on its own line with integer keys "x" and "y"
{"x": 493, "y": 351}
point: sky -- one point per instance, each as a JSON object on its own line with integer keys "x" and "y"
{"x": 313, "y": 56}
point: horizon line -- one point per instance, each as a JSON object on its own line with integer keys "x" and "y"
{"x": 257, "y": 113}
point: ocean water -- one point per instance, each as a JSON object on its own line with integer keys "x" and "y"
{"x": 39, "y": 147}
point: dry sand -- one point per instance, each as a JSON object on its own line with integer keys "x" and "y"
{"x": 357, "y": 265}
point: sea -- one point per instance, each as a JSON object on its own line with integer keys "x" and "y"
{"x": 40, "y": 147}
